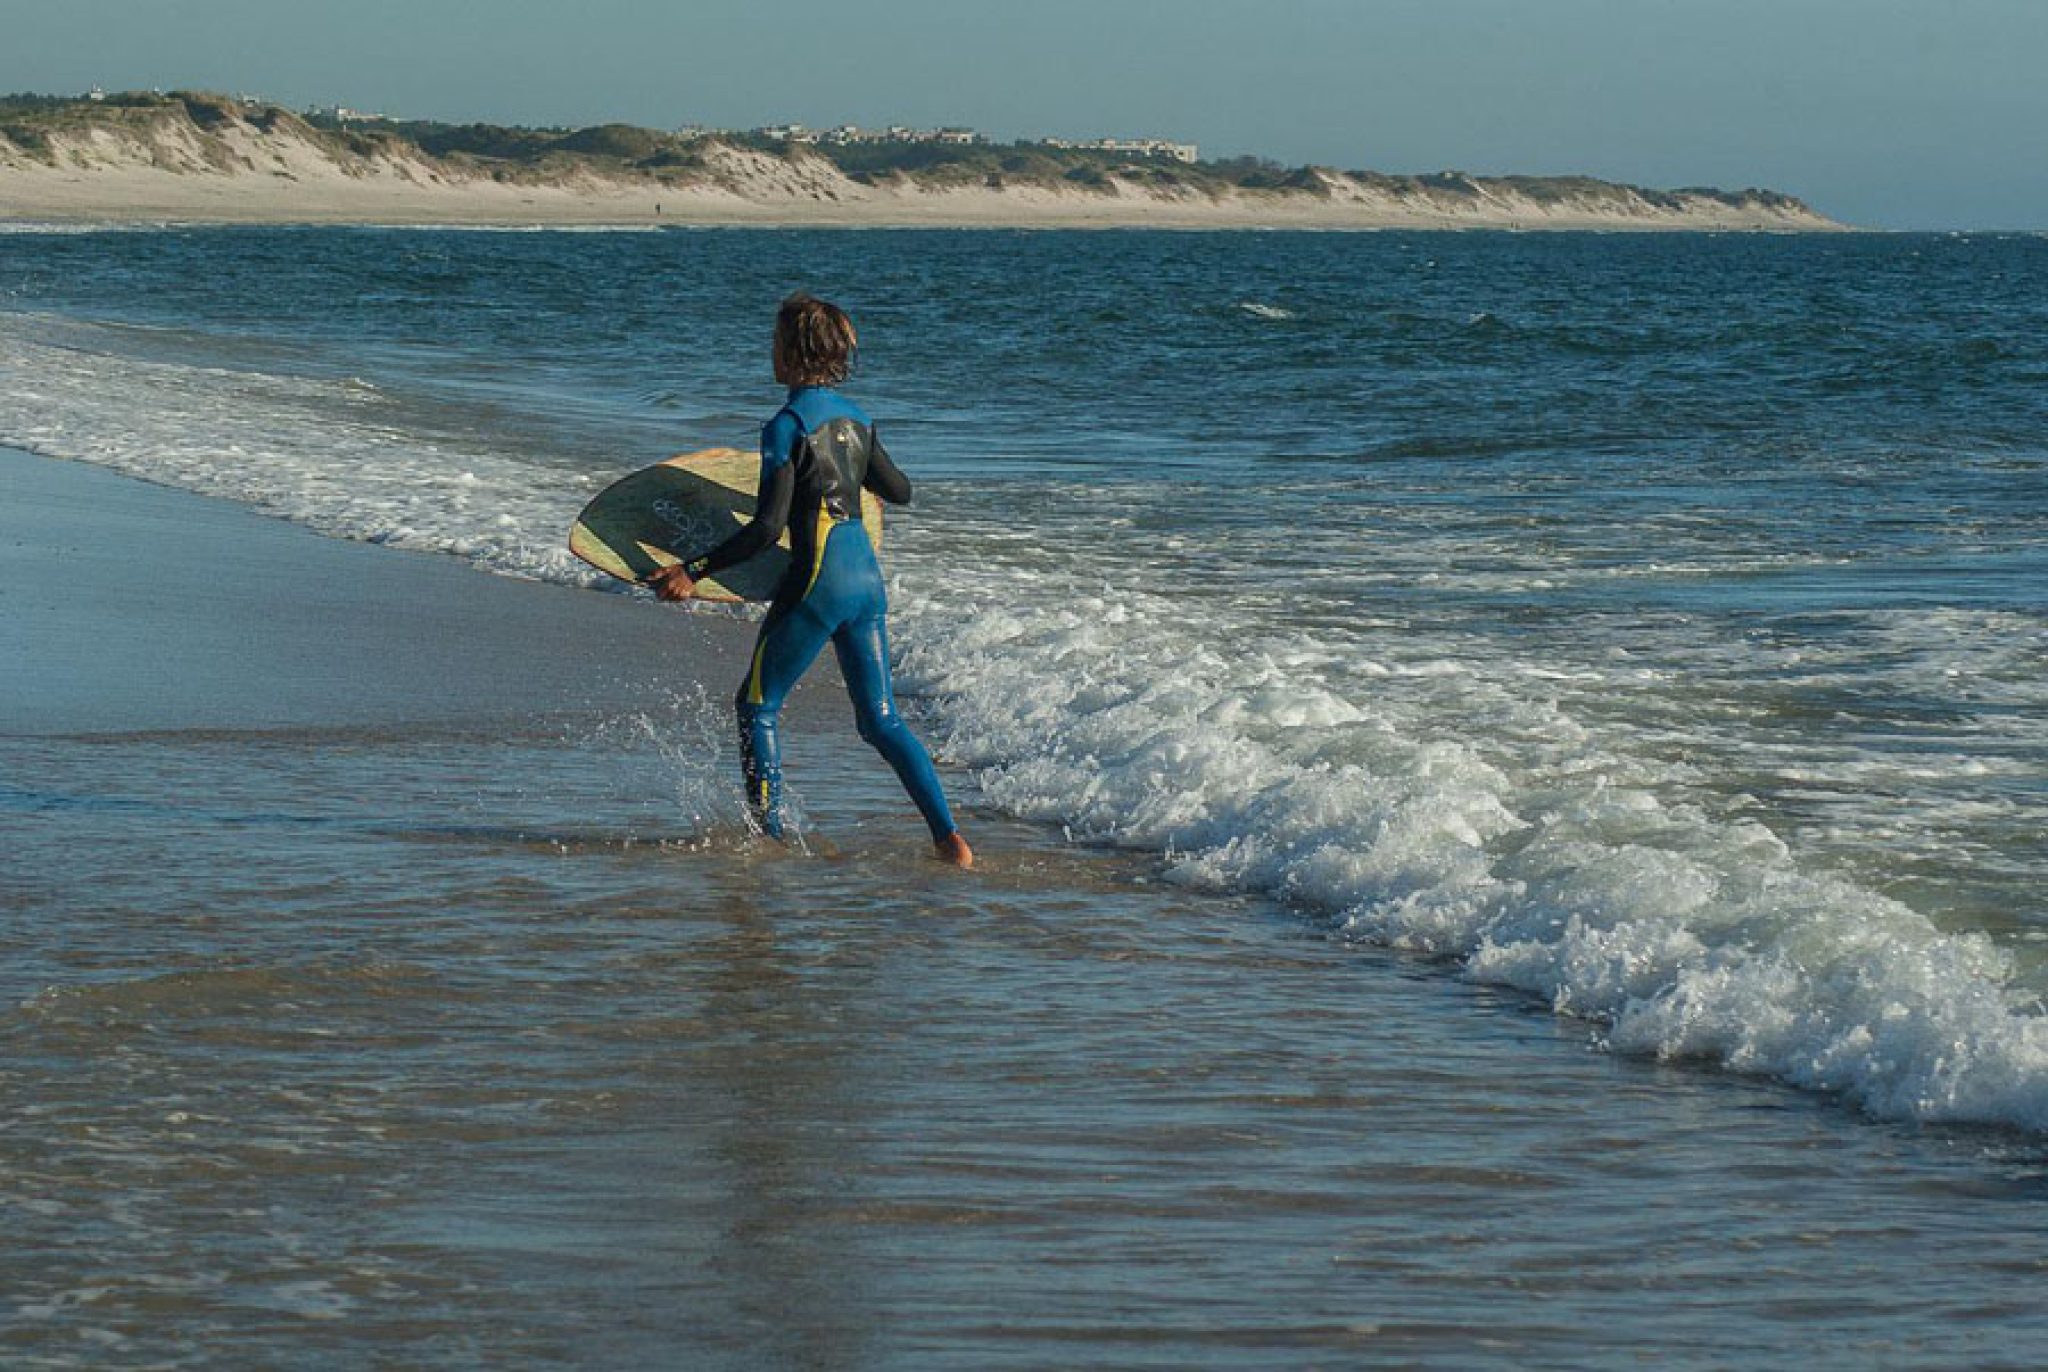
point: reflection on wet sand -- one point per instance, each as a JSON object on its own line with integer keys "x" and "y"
{"x": 777, "y": 1101}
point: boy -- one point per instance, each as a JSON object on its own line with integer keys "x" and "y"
{"x": 817, "y": 453}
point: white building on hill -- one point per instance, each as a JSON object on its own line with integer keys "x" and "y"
{"x": 848, "y": 134}
{"x": 1147, "y": 147}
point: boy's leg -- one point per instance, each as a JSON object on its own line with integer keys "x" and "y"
{"x": 789, "y": 642}
{"x": 862, "y": 646}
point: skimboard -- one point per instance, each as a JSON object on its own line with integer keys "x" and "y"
{"x": 680, "y": 508}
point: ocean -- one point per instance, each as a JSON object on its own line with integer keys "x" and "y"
{"x": 1512, "y": 772}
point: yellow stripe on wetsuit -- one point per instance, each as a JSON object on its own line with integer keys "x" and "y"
{"x": 820, "y": 535}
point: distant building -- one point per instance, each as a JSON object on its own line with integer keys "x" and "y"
{"x": 342, "y": 114}
{"x": 1147, "y": 147}
{"x": 845, "y": 135}
{"x": 96, "y": 95}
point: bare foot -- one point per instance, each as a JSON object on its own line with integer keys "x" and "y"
{"x": 953, "y": 848}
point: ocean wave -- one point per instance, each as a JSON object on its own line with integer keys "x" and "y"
{"x": 1419, "y": 805}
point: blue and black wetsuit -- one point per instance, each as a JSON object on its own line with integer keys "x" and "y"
{"x": 817, "y": 454}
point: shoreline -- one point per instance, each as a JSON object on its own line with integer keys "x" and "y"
{"x": 128, "y": 606}
{"x": 533, "y": 218}
{"x": 145, "y": 221}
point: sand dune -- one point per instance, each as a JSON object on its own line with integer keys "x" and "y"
{"x": 260, "y": 164}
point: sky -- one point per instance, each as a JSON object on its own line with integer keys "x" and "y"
{"x": 1885, "y": 113}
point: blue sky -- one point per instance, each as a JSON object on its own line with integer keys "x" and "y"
{"x": 1891, "y": 113}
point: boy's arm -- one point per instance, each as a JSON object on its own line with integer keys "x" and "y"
{"x": 884, "y": 477}
{"x": 771, "y": 516}
{"x": 772, "y": 501}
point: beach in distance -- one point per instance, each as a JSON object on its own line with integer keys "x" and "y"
{"x": 195, "y": 157}
{"x": 1510, "y": 774}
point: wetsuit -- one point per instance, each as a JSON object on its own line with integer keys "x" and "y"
{"x": 817, "y": 454}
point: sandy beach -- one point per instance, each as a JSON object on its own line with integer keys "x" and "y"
{"x": 145, "y": 197}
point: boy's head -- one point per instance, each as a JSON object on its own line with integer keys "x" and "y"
{"x": 814, "y": 342}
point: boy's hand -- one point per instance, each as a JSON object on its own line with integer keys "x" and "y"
{"x": 672, "y": 583}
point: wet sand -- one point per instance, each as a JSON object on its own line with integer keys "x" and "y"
{"x": 126, "y": 606}
{"x": 379, "y": 985}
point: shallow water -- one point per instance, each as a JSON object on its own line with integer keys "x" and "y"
{"x": 1351, "y": 650}
{"x": 541, "y": 1079}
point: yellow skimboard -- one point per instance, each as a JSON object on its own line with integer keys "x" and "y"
{"x": 683, "y": 507}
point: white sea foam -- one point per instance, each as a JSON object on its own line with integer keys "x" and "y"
{"x": 1692, "y": 936}
{"x": 318, "y": 452}
{"x": 1573, "y": 823}
{"x": 58, "y": 227}
{"x": 1259, "y": 309}
{"x": 511, "y": 228}
{"x": 1428, "y": 798}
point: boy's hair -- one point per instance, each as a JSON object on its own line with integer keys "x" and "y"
{"x": 814, "y": 342}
